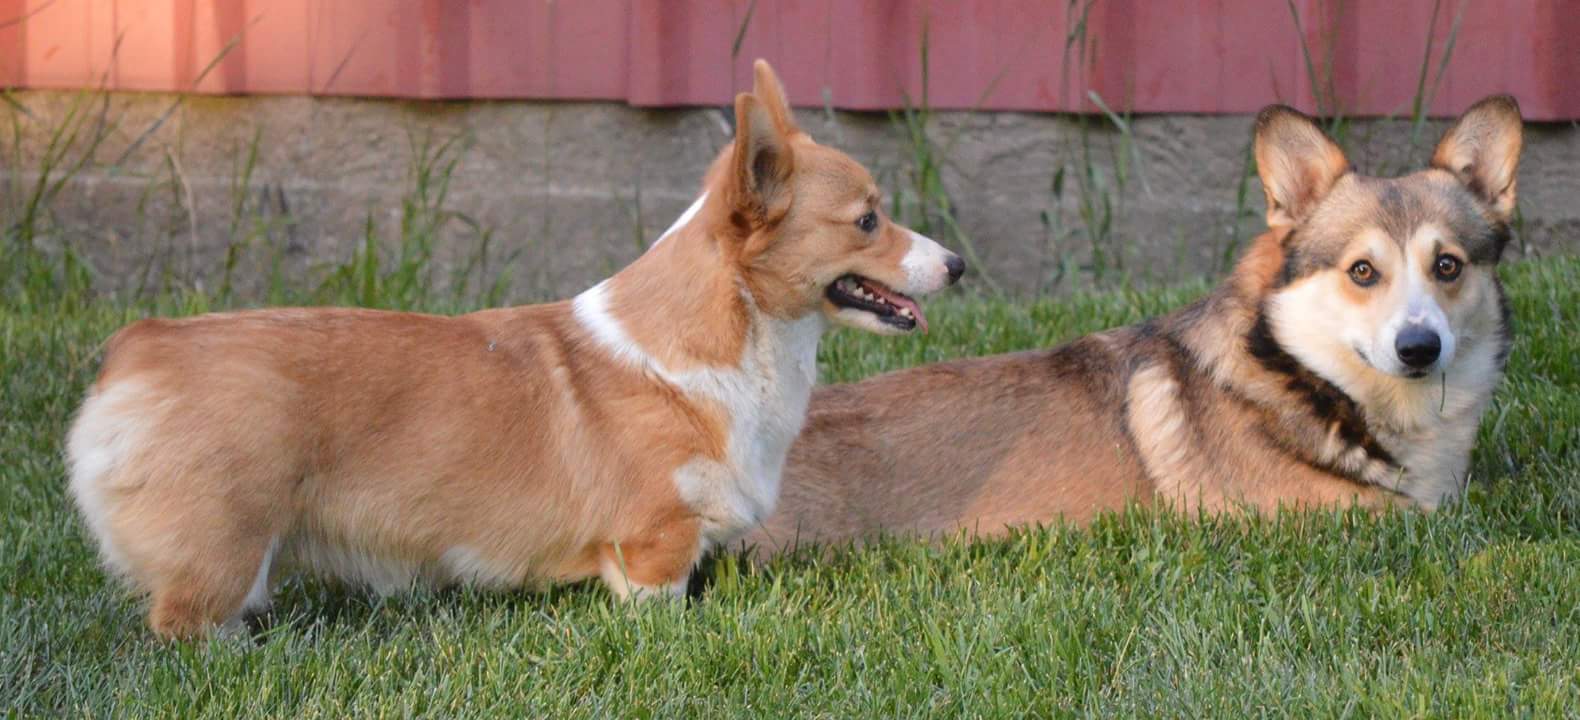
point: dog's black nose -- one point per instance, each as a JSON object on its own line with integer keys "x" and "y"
{"x": 956, "y": 266}
{"x": 1418, "y": 346}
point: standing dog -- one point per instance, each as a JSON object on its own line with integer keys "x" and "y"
{"x": 1346, "y": 360}
{"x": 618, "y": 435}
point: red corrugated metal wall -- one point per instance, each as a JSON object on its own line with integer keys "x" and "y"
{"x": 1209, "y": 56}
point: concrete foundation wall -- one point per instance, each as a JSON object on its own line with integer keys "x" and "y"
{"x": 568, "y": 192}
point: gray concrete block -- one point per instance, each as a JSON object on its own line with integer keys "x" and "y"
{"x": 572, "y": 191}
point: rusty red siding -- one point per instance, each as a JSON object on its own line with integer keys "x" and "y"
{"x": 1203, "y": 56}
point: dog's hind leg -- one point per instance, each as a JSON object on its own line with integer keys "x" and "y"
{"x": 191, "y": 513}
{"x": 206, "y": 543}
{"x": 206, "y": 556}
{"x": 211, "y": 590}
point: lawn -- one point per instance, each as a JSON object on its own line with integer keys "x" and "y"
{"x": 1471, "y": 611}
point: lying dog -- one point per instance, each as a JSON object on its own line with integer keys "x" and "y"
{"x": 1347, "y": 360}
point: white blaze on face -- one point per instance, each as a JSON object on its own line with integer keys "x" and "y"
{"x": 925, "y": 265}
{"x": 685, "y": 217}
{"x": 1413, "y": 303}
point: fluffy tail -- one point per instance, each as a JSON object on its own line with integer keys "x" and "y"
{"x": 104, "y": 435}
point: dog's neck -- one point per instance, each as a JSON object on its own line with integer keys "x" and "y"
{"x": 682, "y": 314}
{"x": 682, "y": 303}
{"x": 1215, "y": 328}
{"x": 686, "y": 305}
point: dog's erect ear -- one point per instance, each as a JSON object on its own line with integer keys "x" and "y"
{"x": 760, "y": 186}
{"x": 1482, "y": 149}
{"x": 768, "y": 89}
{"x": 1298, "y": 164}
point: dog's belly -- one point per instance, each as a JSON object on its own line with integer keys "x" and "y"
{"x": 435, "y": 534}
{"x": 384, "y": 573}
{"x": 388, "y": 571}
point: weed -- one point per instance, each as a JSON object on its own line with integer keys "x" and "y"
{"x": 1244, "y": 208}
{"x": 28, "y": 272}
{"x": 40, "y": 263}
{"x": 407, "y": 279}
{"x": 923, "y": 201}
{"x": 1424, "y": 92}
{"x": 1103, "y": 155}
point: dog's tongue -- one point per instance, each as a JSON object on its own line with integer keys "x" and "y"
{"x": 898, "y": 300}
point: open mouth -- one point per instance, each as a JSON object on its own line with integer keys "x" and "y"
{"x": 889, "y": 306}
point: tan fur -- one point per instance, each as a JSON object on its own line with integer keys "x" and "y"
{"x": 1251, "y": 398}
{"x": 1159, "y": 424}
{"x": 617, "y": 435}
{"x": 1298, "y": 162}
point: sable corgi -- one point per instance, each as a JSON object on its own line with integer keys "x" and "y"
{"x": 1346, "y": 360}
{"x": 619, "y": 434}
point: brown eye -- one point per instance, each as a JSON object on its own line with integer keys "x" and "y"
{"x": 869, "y": 222}
{"x": 1447, "y": 268}
{"x": 1363, "y": 273}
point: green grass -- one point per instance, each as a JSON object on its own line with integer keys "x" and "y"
{"x": 1471, "y": 611}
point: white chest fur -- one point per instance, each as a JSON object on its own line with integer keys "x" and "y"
{"x": 766, "y": 400}
{"x": 765, "y": 396}
{"x": 1429, "y": 425}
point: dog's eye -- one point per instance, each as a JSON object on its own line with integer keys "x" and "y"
{"x": 1447, "y": 267}
{"x": 1363, "y": 273}
{"x": 869, "y": 222}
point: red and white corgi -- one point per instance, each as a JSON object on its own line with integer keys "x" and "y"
{"x": 619, "y": 434}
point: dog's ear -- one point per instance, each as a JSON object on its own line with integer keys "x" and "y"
{"x": 1482, "y": 149}
{"x": 760, "y": 183}
{"x": 768, "y": 89}
{"x": 1297, "y": 162}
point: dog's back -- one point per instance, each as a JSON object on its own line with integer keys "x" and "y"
{"x": 990, "y": 441}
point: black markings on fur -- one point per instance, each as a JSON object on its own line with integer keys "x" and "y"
{"x": 1297, "y": 454}
{"x": 1467, "y": 175}
{"x": 763, "y": 165}
{"x": 1082, "y": 358}
{"x": 1326, "y": 401}
{"x": 1482, "y": 236}
{"x": 1391, "y": 201}
{"x": 1289, "y": 273}
{"x": 1506, "y": 325}
{"x": 1147, "y": 330}
{"x": 1500, "y": 240}
{"x": 1298, "y": 262}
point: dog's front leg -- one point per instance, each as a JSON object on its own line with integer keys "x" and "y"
{"x": 655, "y": 563}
